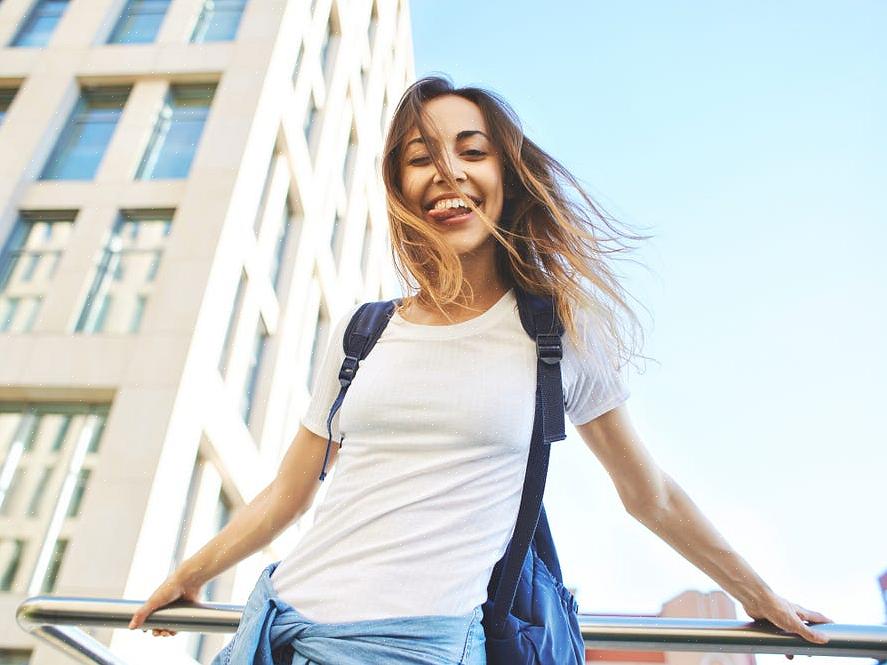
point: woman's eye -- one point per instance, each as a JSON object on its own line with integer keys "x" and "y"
{"x": 420, "y": 161}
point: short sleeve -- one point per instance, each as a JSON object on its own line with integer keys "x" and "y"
{"x": 326, "y": 383}
{"x": 592, "y": 381}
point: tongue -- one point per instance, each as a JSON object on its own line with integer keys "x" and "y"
{"x": 446, "y": 213}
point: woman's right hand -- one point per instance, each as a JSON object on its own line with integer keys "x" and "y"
{"x": 175, "y": 587}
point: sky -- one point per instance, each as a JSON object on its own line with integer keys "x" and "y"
{"x": 749, "y": 140}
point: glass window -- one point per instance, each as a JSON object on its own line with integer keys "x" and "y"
{"x": 218, "y": 21}
{"x": 49, "y": 456}
{"x": 266, "y": 187}
{"x": 373, "y": 26}
{"x": 40, "y": 23}
{"x": 15, "y": 657}
{"x": 336, "y": 235}
{"x": 283, "y": 232}
{"x": 82, "y": 144}
{"x": 200, "y": 523}
{"x": 383, "y": 119}
{"x": 125, "y": 275}
{"x": 28, "y": 264}
{"x": 350, "y": 158}
{"x": 365, "y": 252}
{"x": 329, "y": 47}
{"x": 321, "y": 332}
{"x": 298, "y": 66}
{"x": 176, "y": 132}
{"x": 310, "y": 118}
{"x": 55, "y": 562}
{"x": 6, "y": 97}
{"x": 247, "y": 399}
{"x": 224, "y": 357}
{"x": 10, "y": 559}
{"x": 139, "y": 22}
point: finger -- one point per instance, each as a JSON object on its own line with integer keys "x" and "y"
{"x": 818, "y": 617}
{"x": 812, "y": 616}
{"x": 812, "y": 635}
{"x": 789, "y": 655}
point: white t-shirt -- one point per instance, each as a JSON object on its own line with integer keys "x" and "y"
{"x": 424, "y": 496}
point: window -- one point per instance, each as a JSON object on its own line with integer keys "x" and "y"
{"x": 6, "y": 97}
{"x": 139, "y": 22}
{"x": 283, "y": 231}
{"x": 298, "y": 66}
{"x": 335, "y": 236}
{"x": 247, "y": 400}
{"x": 51, "y": 450}
{"x": 365, "y": 252}
{"x": 206, "y": 512}
{"x": 310, "y": 119}
{"x": 321, "y": 333}
{"x": 125, "y": 274}
{"x": 386, "y": 109}
{"x": 225, "y": 355}
{"x": 176, "y": 132}
{"x": 218, "y": 21}
{"x": 266, "y": 187}
{"x": 14, "y": 656}
{"x": 373, "y": 25}
{"x": 209, "y": 592}
{"x": 350, "y": 159}
{"x": 40, "y": 23}
{"x": 28, "y": 264}
{"x": 82, "y": 144}
{"x": 329, "y": 47}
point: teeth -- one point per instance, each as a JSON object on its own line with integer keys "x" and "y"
{"x": 449, "y": 203}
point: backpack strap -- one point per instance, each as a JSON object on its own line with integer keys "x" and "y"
{"x": 540, "y": 320}
{"x": 363, "y": 331}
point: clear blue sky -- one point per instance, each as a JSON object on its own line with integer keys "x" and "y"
{"x": 750, "y": 140}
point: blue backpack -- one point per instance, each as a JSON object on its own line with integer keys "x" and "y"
{"x": 529, "y": 617}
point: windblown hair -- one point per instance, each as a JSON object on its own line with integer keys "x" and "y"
{"x": 546, "y": 244}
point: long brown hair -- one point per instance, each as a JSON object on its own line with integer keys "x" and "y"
{"x": 546, "y": 244}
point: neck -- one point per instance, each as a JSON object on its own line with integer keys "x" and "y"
{"x": 487, "y": 286}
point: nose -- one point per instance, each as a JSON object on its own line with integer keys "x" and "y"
{"x": 458, "y": 173}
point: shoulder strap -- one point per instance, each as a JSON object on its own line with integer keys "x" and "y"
{"x": 362, "y": 333}
{"x": 540, "y": 320}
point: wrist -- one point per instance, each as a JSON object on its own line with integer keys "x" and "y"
{"x": 754, "y": 596}
{"x": 190, "y": 573}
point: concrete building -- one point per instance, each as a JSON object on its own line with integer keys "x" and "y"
{"x": 189, "y": 194}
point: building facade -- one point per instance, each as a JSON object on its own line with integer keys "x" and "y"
{"x": 189, "y": 194}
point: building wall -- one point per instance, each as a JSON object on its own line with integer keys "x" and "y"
{"x": 156, "y": 453}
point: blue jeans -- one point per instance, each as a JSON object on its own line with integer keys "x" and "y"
{"x": 272, "y": 632}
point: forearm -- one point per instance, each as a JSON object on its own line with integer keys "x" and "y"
{"x": 682, "y": 525}
{"x": 251, "y": 528}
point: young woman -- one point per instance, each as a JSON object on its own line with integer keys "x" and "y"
{"x": 438, "y": 419}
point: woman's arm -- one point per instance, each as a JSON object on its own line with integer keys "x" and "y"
{"x": 252, "y": 527}
{"x": 653, "y": 498}
{"x": 255, "y": 525}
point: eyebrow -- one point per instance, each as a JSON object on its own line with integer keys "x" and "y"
{"x": 464, "y": 134}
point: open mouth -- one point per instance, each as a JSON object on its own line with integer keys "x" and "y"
{"x": 475, "y": 200}
{"x": 453, "y": 215}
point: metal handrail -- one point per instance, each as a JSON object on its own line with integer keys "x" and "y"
{"x": 52, "y": 619}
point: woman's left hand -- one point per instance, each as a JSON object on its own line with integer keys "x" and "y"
{"x": 788, "y": 616}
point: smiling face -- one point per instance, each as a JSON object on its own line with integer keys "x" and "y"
{"x": 475, "y": 165}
